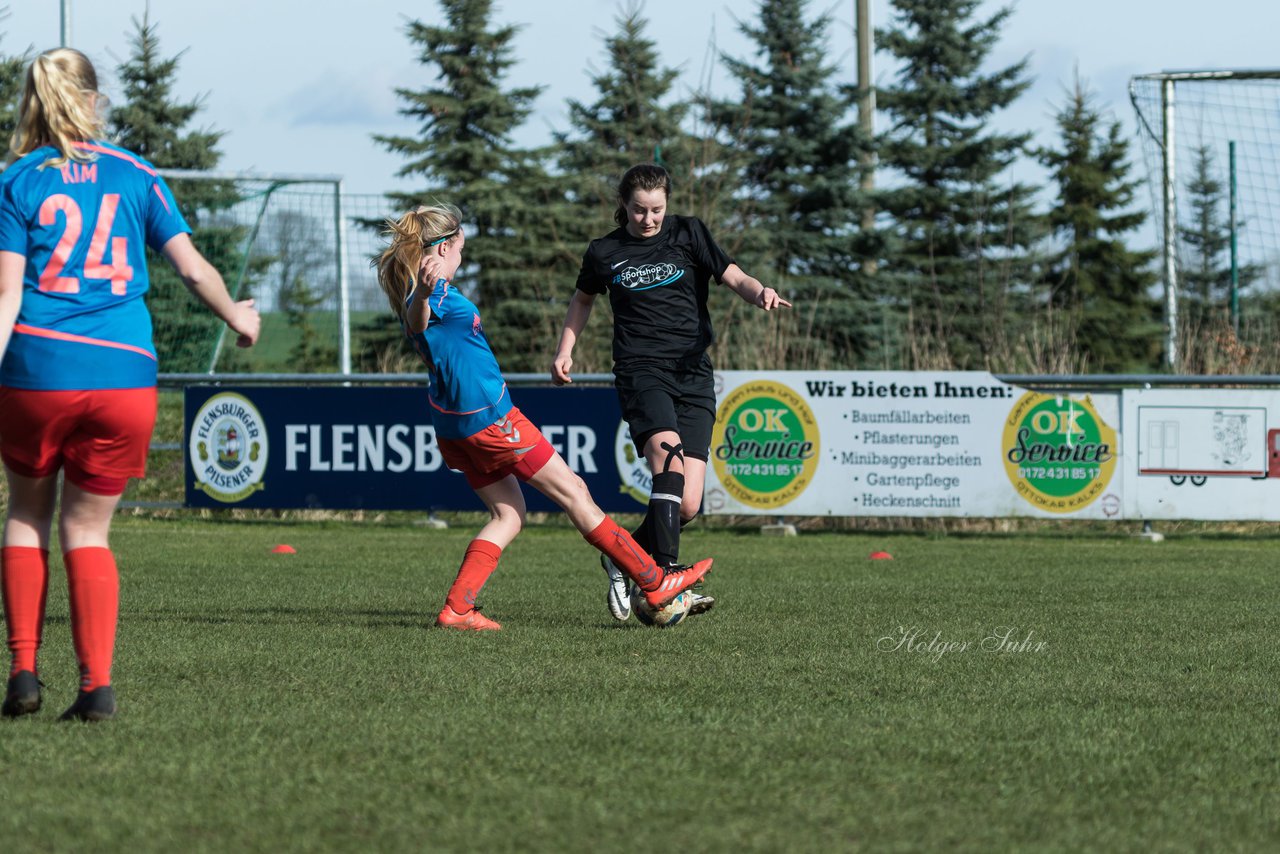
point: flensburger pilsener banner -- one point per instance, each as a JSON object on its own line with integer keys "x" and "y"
{"x": 375, "y": 448}
{"x": 888, "y": 443}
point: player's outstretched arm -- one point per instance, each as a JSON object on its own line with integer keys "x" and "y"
{"x": 575, "y": 320}
{"x": 12, "y": 266}
{"x": 751, "y": 290}
{"x": 205, "y": 282}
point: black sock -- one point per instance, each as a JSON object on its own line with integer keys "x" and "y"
{"x": 643, "y": 534}
{"x": 663, "y": 518}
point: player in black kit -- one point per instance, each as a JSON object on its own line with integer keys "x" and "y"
{"x": 656, "y": 268}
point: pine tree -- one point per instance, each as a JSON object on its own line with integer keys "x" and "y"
{"x": 12, "y": 74}
{"x": 631, "y": 121}
{"x": 1096, "y": 279}
{"x": 963, "y": 235}
{"x": 797, "y": 210}
{"x": 628, "y": 123}
{"x": 465, "y": 153}
{"x": 151, "y": 123}
{"x": 1205, "y": 271}
{"x": 294, "y": 243}
{"x": 311, "y": 351}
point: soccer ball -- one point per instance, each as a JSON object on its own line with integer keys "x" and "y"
{"x": 668, "y": 615}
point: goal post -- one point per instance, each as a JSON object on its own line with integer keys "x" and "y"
{"x": 298, "y": 244}
{"x": 1210, "y": 142}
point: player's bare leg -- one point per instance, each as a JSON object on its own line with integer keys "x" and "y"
{"x": 559, "y": 483}
{"x": 660, "y": 584}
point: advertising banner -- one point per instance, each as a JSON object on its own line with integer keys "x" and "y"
{"x": 785, "y": 443}
{"x": 883, "y": 443}
{"x": 374, "y": 448}
{"x": 1210, "y": 454}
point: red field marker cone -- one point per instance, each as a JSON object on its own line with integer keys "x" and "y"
{"x": 283, "y": 549}
{"x": 881, "y": 556}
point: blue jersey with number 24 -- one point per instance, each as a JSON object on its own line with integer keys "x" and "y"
{"x": 83, "y": 229}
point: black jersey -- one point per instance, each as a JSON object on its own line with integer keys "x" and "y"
{"x": 657, "y": 287}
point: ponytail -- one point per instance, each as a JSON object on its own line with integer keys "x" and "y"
{"x": 58, "y": 107}
{"x": 408, "y": 238}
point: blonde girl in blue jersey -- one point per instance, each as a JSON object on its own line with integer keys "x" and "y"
{"x": 77, "y": 363}
{"x": 480, "y": 432}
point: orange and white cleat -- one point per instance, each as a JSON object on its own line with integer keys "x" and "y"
{"x": 473, "y": 620}
{"x": 674, "y": 580}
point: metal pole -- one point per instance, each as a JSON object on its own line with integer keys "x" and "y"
{"x": 249, "y": 240}
{"x": 866, "y": 116}
{"x": 1235, "y": 256}
{"x": 64, "y": 31}
{"x": 344, "y": 289}
{"x": 1170, "y": 227}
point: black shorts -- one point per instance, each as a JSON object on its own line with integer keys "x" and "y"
{"x": 679, "y": 395}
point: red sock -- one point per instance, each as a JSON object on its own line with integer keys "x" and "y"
{"x": 93, "y": 585}
{"x": 478, "y": 564}
{"x": 25, "y": 572}
{"x": 626, "y": 553}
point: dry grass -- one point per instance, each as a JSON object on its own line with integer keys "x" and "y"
{"x": 1214, "y": 348}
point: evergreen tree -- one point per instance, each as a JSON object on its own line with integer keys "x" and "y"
{"x": 12, "y": 74}
{"x": 465, "y": 153}
{"x": 300, "y": 287}
{"x": 311, "y": 351}
{"x": 797, "y": 211}
{"x": 151, "y": 123}
{"x": 1096, "y": 279}
{"x": 630, "y": 122}
{"x": 964, "y": 238}
{"x": 1205, "y": 272}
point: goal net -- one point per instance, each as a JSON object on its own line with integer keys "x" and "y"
{"x": 1211, "y": 147}
{"x": 298, "y": 246}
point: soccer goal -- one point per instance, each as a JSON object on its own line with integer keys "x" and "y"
{"x": 298, "y": 245}
{"x": 1211, "y": 146}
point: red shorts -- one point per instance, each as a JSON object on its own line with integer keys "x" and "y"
{"x": 509, "y": 446}
{"x": 100, "y": 436}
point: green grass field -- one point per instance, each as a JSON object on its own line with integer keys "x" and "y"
{"x": 301, "y": 703}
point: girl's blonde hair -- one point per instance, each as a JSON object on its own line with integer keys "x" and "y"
{"x": 59, "y": 107}
{"x": 408, "y": 239}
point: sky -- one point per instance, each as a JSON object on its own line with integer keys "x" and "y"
{"x": 300, "y": 86}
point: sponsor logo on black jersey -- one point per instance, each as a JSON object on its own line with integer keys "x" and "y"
{"x": 648, "y": 276}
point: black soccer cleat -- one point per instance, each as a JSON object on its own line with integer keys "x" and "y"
{"x": 96, "y": 705}
{"x": 22, "y": 696}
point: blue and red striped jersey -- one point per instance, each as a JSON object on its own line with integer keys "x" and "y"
{"x": 83, "y": 229}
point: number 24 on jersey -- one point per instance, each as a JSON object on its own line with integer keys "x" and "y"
{"x": 96, "y": 264}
